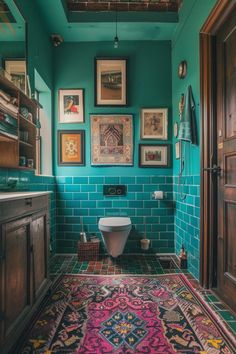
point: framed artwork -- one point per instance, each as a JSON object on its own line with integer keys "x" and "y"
{"x": 177, "y": 150}
{"x": 110, "y": 82}
{"x": 154, "y": 155}
{"x": 71, "y": 147}
{"x": 112, "y": 140}
{"x": 154, "y": 123}
{"x": 71, "y": 106}
{"x": 16, "y": 72}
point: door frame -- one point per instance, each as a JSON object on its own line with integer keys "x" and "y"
{"x": 208, "y": 215}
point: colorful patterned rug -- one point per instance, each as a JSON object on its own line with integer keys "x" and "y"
{"x": 126, "y": 315}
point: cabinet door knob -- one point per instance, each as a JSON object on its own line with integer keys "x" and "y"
{"x": 28, "y": 202}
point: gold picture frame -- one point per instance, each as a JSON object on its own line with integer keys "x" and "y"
{"x": 154, "y": 123}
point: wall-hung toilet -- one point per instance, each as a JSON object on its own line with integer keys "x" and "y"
{"x": 115, "y": 231}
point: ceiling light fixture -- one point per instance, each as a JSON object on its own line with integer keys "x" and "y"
{"x": 116, "y": 39}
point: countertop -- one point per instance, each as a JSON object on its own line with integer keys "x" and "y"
{"x": 6, "y": 196}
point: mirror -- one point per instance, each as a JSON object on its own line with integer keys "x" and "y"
{"x": 13, "y": 44}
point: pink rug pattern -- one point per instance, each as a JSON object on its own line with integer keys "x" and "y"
{"x": 127, "y": 315}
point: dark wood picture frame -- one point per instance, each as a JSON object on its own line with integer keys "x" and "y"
{"x": 72, "y": 117}
{"x": 74, "y": 160}
{"x": 153, "y": 163}
{"x": 113, "y": 101}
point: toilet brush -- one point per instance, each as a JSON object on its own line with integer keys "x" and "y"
{"x": 145, "y": 243}
{"x": 83, "y": 237}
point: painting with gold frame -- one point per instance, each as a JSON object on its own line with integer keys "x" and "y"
{"x": 110, "y": 82}
{"x": 112, "y": 139}
{"x": 71, "y": 147}
{"x": 154, "y": 123}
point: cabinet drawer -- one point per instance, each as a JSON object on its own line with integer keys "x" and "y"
{"x": 24, "y": 206}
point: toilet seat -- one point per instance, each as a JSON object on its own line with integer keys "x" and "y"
{"x": 114, "y": 224}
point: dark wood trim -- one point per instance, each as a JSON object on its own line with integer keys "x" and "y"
{"x": 208, "y": 140}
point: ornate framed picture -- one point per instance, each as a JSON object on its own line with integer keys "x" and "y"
{"x": 112, "y": 140}
{"x": 71, "y": 147}
{"x": 16, "y": 72}
{"x": 71, "y": 106}
{"x": 110, "y": 82}
{"x": 154, "y": 155}
{"x": 154, "y": 123}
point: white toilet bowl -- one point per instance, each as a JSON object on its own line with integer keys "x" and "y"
{"x": 115, "y": 231}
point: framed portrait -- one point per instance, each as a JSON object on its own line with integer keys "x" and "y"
{"x": 154, "y": 123}
{"x": 71, "y": 147}
{"x": 16, "y": 72}
{"x": 110, "y": 82}
{"x": 111, "y": 140}
{"x": 154, "y": 155}
{"x": 177, "y": 150}
{"x": 71, "y": 106}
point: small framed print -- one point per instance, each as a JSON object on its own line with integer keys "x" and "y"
{"x": 71, "y": 106}
{"x": 110, "y": 82}
{"x": 177, "y": 150}
{"x": 154, "y": 123}
{"x": 154, "y": 155}
{"x": 71, "y": 147}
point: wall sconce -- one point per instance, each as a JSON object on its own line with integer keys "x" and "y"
{"x": 56, "y": 39}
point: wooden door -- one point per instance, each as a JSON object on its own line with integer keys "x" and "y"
{"x": 39, "y": 241}
{"x": 226, "y": 147}
{"x": 15, "y": 290}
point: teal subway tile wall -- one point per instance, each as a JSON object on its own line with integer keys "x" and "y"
{"x": 16, "y": 180}
{"x": 187, "y": 210}
{"x": 187, "y": 219}
{"x": 81, "y": 200}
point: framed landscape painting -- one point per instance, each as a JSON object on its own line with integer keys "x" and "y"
{"x": 110, "y": 82}
{"x": 112, "y": 140}
{"x": 154, "y": 155}
{"x": 71, "y": 106}
{"x": 154, "y": 123}
{"x": 16, "y": 72}
{"x": 71, "y": 147}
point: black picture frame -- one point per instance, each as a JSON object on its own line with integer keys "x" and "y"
{"x": 112, "y": 81}
{"x": 153, "y": 150}
{"x": 71, "y": 161}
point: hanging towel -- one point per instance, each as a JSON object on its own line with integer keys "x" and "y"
{"x": 187, "y": 128}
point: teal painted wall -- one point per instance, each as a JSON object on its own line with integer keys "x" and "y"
{"x": 81, "y": 198}
{"x": 185, "y": 46}
{"x": 39, "y": 46}
{"x": 12, "y": 50}
{"x": 149, "y": 85}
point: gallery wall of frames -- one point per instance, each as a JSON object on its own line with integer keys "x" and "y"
{"x": 111, "y": 134}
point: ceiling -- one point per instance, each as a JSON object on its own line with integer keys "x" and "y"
{"x": 12, "y": 24}
{"x": 150, "y": 20}
{"x": 123, "y": 5}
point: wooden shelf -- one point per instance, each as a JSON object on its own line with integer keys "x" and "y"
{"x": 11, "y": 149}
{"x": 7, "y": 138}
{"x": 27, "y": 121}
{"x": 26, "y": 144}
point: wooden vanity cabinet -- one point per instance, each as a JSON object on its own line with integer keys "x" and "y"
{"x": 24, "y": 278}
